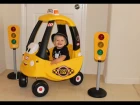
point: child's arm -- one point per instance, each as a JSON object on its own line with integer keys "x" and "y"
{"x": 60, "y": 59}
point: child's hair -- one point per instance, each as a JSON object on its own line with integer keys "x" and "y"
{"x": 59, "y": 34}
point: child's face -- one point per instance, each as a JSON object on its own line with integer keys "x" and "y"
{"x": 59, "y": 41}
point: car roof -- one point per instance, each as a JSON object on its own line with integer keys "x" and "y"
{"x": 59, "y": 19}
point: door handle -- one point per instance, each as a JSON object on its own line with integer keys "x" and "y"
{"x": 77, "y": 6}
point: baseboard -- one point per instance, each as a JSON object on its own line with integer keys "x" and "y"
{"x": 2, "y": 69}
{"x": 122, "y": 81}
{"x": 93, "y": 73}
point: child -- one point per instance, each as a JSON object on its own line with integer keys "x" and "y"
{"x": 60, "y": 51}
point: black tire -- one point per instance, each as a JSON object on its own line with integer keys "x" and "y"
{"x": 77, "y": 79}
{"x": 40, "y": 84}
{"x": 23, "y": 80}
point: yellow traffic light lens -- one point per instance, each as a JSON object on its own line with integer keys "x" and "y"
{"x": 13, "y": 41}
{"x": 13, "y": 35}
{"x": 100, "y": 52}
{"x": 100, "y": 44}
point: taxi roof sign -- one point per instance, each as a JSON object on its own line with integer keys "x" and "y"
{"x": 53, "y": 11}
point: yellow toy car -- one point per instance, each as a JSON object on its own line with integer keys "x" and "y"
{"x": 37, "y": 59}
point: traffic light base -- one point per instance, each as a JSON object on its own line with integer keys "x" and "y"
{"x": 97, "y": 93}
{"x": 12, "y": 75}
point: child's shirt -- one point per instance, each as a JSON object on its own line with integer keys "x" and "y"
{"x": 58, "y": 52}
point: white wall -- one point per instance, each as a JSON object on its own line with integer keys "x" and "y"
{"x": 97, "y": 15}
{"x": 2, "y": 42}
{"x": 11, "y": 15}
{"x": 123, "y": 63}
{"x": 96, "y": 21}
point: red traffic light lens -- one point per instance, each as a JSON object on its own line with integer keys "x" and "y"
{"x": 13, "y": 29}
{"x": 101, "y": 36}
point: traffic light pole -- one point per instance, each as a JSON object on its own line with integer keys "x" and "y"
{"x": 97, "y": 92}
{"x": 15, "y": 74}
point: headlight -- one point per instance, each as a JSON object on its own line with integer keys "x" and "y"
{"x": 32, "y": 63}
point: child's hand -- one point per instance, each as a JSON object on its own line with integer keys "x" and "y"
{"x": 53, "y": 62}
{"x": 58, "y": 60}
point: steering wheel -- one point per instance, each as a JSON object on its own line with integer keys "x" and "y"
{"x": 47, "y": 50}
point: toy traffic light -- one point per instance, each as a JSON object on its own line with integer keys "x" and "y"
{"x": 100, "y": 45}
{"x": 100, "y": 50}
{"x": 13, "y": 36}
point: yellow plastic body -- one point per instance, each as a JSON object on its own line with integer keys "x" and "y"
{"x": 42, "y": 68}
{"x": 104, "y": 48}
{"x": 16, "y": 35}
{"x": 59, "y": 19}
{"x": 56, "y": 72}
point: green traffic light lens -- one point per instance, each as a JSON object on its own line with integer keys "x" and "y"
{"x": 13, "y": 41}
{"x": 100, "y": 52}
{"x": 13, "y": 35}
{"x": 100, "y": 44}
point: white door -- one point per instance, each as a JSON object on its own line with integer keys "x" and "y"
{"x": 33, "y": 11}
